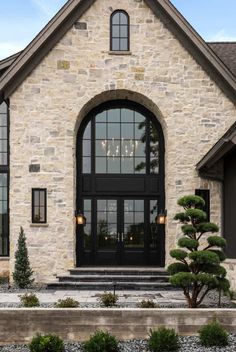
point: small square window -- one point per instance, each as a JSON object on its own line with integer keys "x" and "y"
{"x": 39, "y": 205}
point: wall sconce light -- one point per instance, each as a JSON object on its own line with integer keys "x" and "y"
{"x": 80, "y": 219}
{"x": 161, "y": 218}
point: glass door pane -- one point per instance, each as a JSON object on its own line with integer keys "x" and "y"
{"x": 134, "y": 223}
{"x": 107, "y": 224}
{"x": 153, "y": 236}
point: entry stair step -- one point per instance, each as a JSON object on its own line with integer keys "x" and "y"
{"x": 105, "y": 279}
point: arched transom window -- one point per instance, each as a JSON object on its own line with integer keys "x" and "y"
{"x": 120, "y": 141}
{"x": 120, "y": 31}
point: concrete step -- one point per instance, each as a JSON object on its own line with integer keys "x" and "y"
{"x": 118, "y": 271}
{"x": 108, "y": 286}
{"x": 113, "y": 278}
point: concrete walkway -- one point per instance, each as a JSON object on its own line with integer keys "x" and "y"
{"x": 91, "y": 297}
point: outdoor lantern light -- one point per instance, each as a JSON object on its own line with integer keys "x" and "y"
{"x": 161, "y": 218}
{"x": 80, "y": 219}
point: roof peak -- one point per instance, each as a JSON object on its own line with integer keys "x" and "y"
{"x": 32, "y": 55}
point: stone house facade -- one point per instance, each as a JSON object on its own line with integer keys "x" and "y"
{"x": 74, "y": 77}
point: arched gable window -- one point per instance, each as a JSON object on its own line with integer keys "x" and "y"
{"x": 120, "y": 31}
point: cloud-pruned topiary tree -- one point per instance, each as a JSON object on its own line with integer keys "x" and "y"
{"x": 197, "y": 269}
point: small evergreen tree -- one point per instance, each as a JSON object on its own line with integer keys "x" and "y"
{"x": 197, "y": 270}
{"x": 22, "y": 275}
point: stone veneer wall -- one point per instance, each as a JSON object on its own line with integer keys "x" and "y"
{"x": 230, "y": 266}
{"x": 46, "y": 111}
{"x": 4, "y": 267}
{"x": 18, "y": 326}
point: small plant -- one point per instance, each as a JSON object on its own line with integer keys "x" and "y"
{"x": 4, "y": 280}
{"x": 29, "y": 300}
{"x": 163, "y": 340}
{"x": 213, "y": 334}
{"x": 46, "y": 343}
{"x": 147, "y": 304}
{"x": 67, "y": 303}
{"x": 231, "y": 294}
{"x": 22, "y": 274}
{"x": 101, "y": 341}
{"x": 108, "y": 299}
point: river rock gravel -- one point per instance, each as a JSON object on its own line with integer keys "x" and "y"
{"x": 187, "y": 344}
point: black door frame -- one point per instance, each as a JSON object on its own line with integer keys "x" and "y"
{"x": 155, "y": 184}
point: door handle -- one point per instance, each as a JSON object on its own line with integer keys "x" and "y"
{"x": 122, "y": 237}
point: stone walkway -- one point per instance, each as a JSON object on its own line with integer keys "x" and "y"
{"x": 91, "y": 297}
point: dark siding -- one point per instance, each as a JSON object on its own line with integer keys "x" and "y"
{"x": 230, "y": 204}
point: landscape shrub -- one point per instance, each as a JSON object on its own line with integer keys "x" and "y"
{"x": 46, "y": 343}
{"x": 108, "y": 299}
{"x": 213, "y": 334}
{"x": 4, "y": 280}
{"x": 101, "y": 341}
{"x": 231, "y": 294}
{"x": 163, "y": 340}
{"x": 147, "y": 304}
{"x": 29, "y": 300}
{"x": 197, "y": 268}
{"x": 23, "y": 273}
{"x": 67, "y": 303}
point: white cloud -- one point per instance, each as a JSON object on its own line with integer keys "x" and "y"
{"x": 47, "y": 7}
{"x": 221, "y": 36}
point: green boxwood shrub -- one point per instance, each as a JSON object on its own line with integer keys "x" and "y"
{"x": 46, "y": 343}
{"x": 67, "y": 303}
{"x": 147, "y": 304}
{"x": 163, "y": 340}
{"x": 29, "y": 300}
{"x": 101, "y": 341}
{"x": 108, "y": 299}
{"x": 213, "y": 334}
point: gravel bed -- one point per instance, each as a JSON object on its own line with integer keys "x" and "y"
{"x": 13, "y": 289}
{"x": 188, "y": 344}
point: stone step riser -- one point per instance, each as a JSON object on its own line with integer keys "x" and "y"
{"x": 108, "y": 287}
{"x": 112, "y": 279}
{"x": 120, "y": 273}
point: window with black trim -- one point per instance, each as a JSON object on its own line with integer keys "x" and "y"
{"x": 120, "y": 31}
{"x": 205, "y": 194}
{"x": 39, "y": 205}
{"x": 4, "y": 179}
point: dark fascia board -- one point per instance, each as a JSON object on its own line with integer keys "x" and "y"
{"x": 7, "y": 62}
{"x": 219, "y": 150}
{"x": 74, "y": 9}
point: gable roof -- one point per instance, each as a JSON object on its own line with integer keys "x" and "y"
{"x": 31, "y": 56}
{"x": 226, "y": 51}
{"x": 7, "y": 62}
{"x": 206, "y": 166}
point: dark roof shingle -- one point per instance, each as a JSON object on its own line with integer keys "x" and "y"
{"x": 226, "y": 51}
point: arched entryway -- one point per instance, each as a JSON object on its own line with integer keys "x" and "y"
{"x": 120, "y": 186}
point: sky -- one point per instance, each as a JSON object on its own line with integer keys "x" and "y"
{"x": 21, "y": 20}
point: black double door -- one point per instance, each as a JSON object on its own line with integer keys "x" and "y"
{"x": 120, "y": 231}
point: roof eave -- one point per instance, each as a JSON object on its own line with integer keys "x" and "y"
{"x": 219, "y": 150}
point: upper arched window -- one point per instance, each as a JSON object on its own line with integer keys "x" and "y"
{"x": 119, "y": 31}
{"x": 121, "y": 140}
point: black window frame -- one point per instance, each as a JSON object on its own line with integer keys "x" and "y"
{"x": 149, "y": 120}
{"x": 33, "y": 206}
{"x": 120, "y": 25}
{"x": 5, "y": 169}
{"x": 205, "y": 194}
